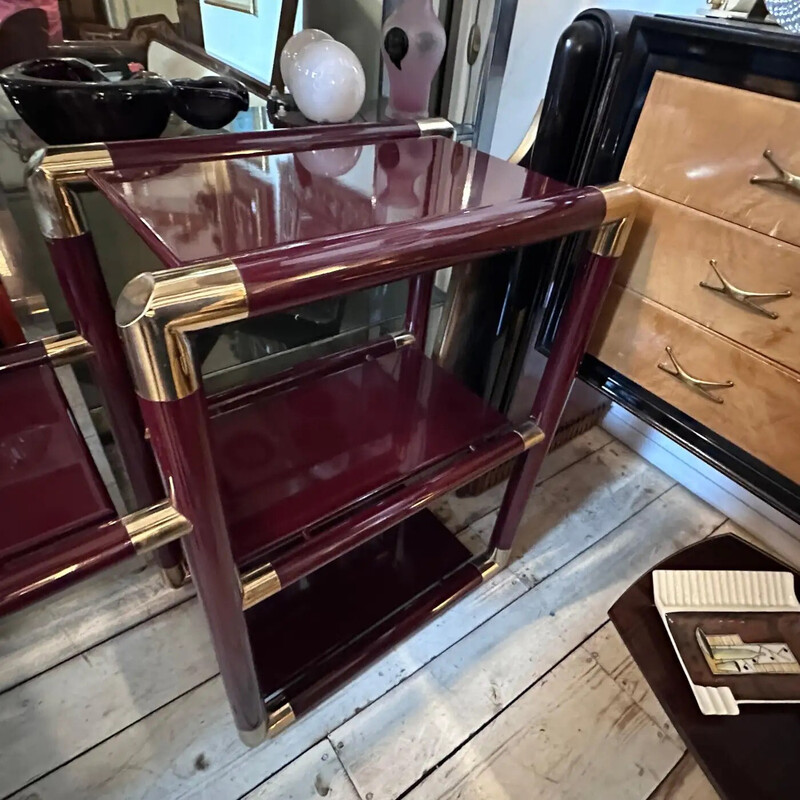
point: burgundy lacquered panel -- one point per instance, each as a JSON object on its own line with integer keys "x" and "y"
{"x": 227, "y": 207}
{"x": 296, "y": 631}
{"x": 175, "y": 150}
{"x": 293, "y": 459}
{"x": 40, "y": 571}
{"x": 48, "y": 482}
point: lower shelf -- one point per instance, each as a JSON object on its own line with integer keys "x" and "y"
{"x": 310, "y": 638}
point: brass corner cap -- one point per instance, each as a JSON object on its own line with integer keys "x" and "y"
{"x": 621, "y": 198}
{"x": 134, "y": 299}
{"x": 611, "y": 237}
{"x": 155, "y": 310}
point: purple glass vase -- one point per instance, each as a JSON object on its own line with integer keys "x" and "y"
{"x": 413, "y": 46}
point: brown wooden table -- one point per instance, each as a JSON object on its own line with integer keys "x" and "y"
{"x": 755, "y": 755}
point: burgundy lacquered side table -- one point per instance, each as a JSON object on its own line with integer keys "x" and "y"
{"x": 56, "y": 178}
{"x": 752, "y": 755}
{"x": 311, "y": 547}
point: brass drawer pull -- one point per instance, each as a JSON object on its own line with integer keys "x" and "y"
{"x": 783, "y": 178}
{"x": 742, "y": 296}
{"x": 677, "y": 371}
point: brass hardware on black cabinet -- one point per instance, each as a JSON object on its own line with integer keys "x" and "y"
{"x": 784, "y": 178}
{"x": 702, "y": 386}
{"x": 744, "y": 297}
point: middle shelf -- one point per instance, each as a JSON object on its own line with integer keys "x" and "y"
{"x": 291, "y": 460}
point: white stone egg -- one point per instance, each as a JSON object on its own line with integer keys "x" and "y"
{"x": 293, "y": 47}
{"x": 328, "y": 82}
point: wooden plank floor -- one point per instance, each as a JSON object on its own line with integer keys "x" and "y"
{"x": 521, "y": 691}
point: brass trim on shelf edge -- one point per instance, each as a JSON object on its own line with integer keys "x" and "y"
{"x": 530, "y": 433}
{"x": 494, "y": 561}
{"x": 152, "y": 527}
{"x": 50, "y": 175}
{"x": 279, "y": 719}
{"x": 258, "y": 584}
{"x": 436, "y": 126}
{"x": 65, "y": 348}
{"x": 612, "y": 235}
{"x": 403, "y": 339}
{"x": 155, "y": 312}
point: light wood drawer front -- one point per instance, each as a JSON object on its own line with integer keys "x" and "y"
{"x": 760, "y": 413}
{"x": 699, "y": 144}
{"x": 668, "y": 256}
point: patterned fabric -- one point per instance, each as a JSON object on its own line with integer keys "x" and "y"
{"x": 786, "y": 13}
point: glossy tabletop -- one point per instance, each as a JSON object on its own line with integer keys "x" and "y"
{"x": 228, "y": 207}
{"x": 290, "y": 460}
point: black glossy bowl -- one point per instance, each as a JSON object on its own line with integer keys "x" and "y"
{"x": 70, "y": 101}
{"x": 209, "y": 102}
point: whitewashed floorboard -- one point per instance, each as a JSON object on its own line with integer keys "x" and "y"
{"x": 576, "y": 508}
{"x": 430, "y": 714}
{"x": 608, "y": 649}
{"x": 315, "y": 774}
{"x": 575, "y": 734}
{"x": 63, "y": 626}
{"x": 685, "y": 782}
{"x": 68, "y": 709}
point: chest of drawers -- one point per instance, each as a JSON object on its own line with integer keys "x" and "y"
{"x": 700, "y": 335}
{"x": 705, "y": 309}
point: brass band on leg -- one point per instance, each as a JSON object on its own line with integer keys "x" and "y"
{"x": 155, "y": 312}
{"x": 65, "y": 348}
{"x": 621, "y": 202}
{"x": 153, "y": 527}
{"x": 51, "y": 176}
